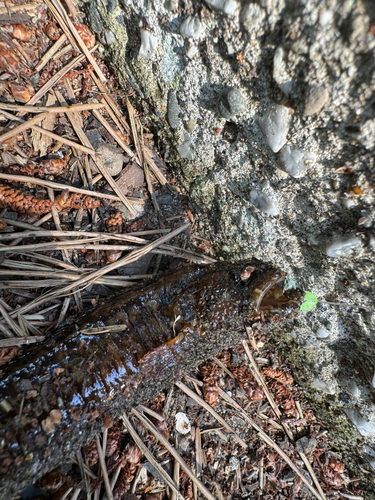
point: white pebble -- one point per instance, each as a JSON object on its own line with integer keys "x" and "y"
{"x": 353, "y": 389}
{"x": 182, "y": 423}
{"x": 295, "y": 161}
{"x": 322, "y": 333}
{"x": 275, "y": 126}
{"x": 252, "y": 16}
{"x": 320, "y": 385}
{"x": 365, "y": 428}
{"x": 149, "y": 44}
{"x": 228, "y": 7}
{"x": 263, "y": 202}
{"x": 191, "y": 27}
{"x": 343, "y": 246}
{"x": 280, "y": 73}
{"x": 185, "y": 149}
{"x": 371, "y": 244}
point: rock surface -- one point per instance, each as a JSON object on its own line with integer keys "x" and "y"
{"x": 327, "y": 46}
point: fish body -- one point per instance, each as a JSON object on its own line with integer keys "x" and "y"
{"x": 130, "y": 348}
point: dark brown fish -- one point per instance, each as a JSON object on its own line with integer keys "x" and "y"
{"x": 54, "y": 398}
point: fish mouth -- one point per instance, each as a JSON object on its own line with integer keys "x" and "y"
{"x": 270, "y": 296}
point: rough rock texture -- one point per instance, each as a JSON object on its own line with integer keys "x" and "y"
{"x": 325, "y": 45}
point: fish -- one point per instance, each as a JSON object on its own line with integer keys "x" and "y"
{"x": 131, "y": 347}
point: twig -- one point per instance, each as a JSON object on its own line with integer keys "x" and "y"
{"x": 14, "y": 8}
{"x": 138, "y": 441}
{"x": 104, "y": 468}
{"x": 56, "y": 185}
{"x": 51, "y": 245}
{"x": 205, "y": 405}
{"x": 312, "y": 473}
{"x": 108, "y": 127}
{"x": 70, "y": 30}
{"x": 176, "y": 473}
{"x": 351, "y": 497}
{"x": 50, "y": 52}
{"x": 131, "y": 257}
{"x": 48, "y": 85}
{"x": 63, "y": 311}
{"x": 11, "y": 322}
{"x": 269, "y": 441}
{"x": 43, "y": 233}
{"x": 19, "y": 341}
{"x": 24, "y": 126}
{"x": 150, "y": 426}
{"x": 198, "y": 451}
{"x": 222, "y": 366}
{"x": 151, "y": 412}
{"x": 51, "y": 109}
{"x": 104, "y": 171}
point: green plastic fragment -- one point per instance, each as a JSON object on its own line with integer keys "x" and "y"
{"x": 310, "y": 301}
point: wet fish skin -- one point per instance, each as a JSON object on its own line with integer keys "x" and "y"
{"x": 53, "y": 399}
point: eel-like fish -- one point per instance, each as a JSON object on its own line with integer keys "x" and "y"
{"x": 127, "y": 350}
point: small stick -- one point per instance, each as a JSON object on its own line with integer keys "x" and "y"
{"x": 104, "y": 468}
{"x": 51, "y": 109}
{"x": 48, "y": 85}
{"x": 194, "y": 380}
{"x": 70, "y": 30}
{"x": 63, "y": 311}
{"x": 55, "y": 246}
{"x": 151, "y": 412}
{"x": 227, "y": 371}
{"x": 14, "y": 8}
{"x": 131, "y": 257}
{"x": 205, "y": 405}
{"x": 260, "y": 379}
{"x": 11, "y": 322}
{"x": 312, "y": 474}
{"x": 198, "y": 451}
{"x": 24, "y": 126}
{"x": 150, "y": 427}
{"x": 56, "y": 185}
{"x": 43, "y": 233}
{"x": 20, "y": 341}
{"x": 146, "y": 452}
{"x": 351, "y": 497}
{"x": 269, "y": 441}
{"x": 67, "y": 493}
{"x": 104, "y": 171}
{"x": 51, "y": 52}
{"x": 108, "y": 127}
{"x": 176, "y": 473}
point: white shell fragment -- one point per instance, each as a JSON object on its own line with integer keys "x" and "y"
{"x": 185, "y": 149}
{"x": 295, "y": 161}
{"x": 228, "y": 7}
{"x": 343, "y": 246}
{"x": 280, "y": 73}
{"x": 275, "y": 126}
{"x": 149, "y": 44}
{"x": 191, "y": 27}
{"x": 365, "y": 428}
{"x": 182, "y": 423}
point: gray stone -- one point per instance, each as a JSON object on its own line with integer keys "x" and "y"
{"x": 252, "y": 16}
{"x": 231, "y": 103}
{"x": 344, "y": 246}
{"x": 280, "y": 73}
{"x": 149, "y": 44}
{"x": 316, "y": 98}
{"x": 186, "y": 149}
{"x": 112, "y": 158}
{"x": 173, "y": 110}
{"x": 275, "y": 126}
{"x": 295, "y": 161}
{"x": 263, "y": 202}
{"x": 95, "y": 138}
{"x": 228, "y": 7}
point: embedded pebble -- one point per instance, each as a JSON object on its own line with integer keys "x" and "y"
{"x": 365, "y": 428}
{"x": 111, "y": 157}
{"x": 228, "y": 7}
{"x": 174, "y": 109}
{"x": 149, "y": 44}
{"x": 322, "y": 333}
{"x": 252, "y": 16}
{"x": 191, "y": 27}
{"x": 321, "y": 386}
{"x": 316, "y": 98}
{"x": 185, "y": 149}
{"x": 231, "y": 103}
{"x": 342, "y": 246}
{"x": 371, "y": 244}
{"x": 275, "y": 126}
{"x": 352, "y": 388}
{"x": 295, "y": 161}
{"x": 263, "y": 202}
{"x": 280, "y": 73}
{"x": 182, "y": 423}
